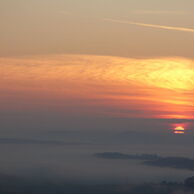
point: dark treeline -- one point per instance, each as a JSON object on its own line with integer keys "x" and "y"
{"x": 15, "y": 185}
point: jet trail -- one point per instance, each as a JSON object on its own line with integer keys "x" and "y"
{"x": 151, "y": 25}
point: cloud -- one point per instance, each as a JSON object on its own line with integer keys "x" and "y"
{"x": 105, "y": 85}
{"x": 181, "y": 29}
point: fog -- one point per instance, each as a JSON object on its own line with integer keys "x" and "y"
{"x": 69, "y": 155}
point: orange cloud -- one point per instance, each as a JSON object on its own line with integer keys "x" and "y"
{"x": 153, "y": 88}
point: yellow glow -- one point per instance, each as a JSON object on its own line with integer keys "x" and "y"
{"x": 179, "y": 128}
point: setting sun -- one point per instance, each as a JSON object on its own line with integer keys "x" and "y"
{"x": 179, "y": 130}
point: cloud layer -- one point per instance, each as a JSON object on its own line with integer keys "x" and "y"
{"x": 113, "y": 86}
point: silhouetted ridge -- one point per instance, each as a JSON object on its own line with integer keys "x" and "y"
{"x": 151, "y": 159}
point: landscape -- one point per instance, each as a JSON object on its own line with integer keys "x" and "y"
{"x": 96, "y": 97}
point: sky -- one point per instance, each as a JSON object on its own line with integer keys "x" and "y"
{"x": 68, "y": 26}
{"x": 94, "y": 68}
{"x": 99, "y": 58}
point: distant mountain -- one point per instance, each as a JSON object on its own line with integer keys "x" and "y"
{"x": 152, "y": 160}
{"x": 118, "y": 155}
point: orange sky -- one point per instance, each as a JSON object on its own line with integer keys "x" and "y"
{"x": 101, "y": 85}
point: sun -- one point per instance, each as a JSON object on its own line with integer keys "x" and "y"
{"x": 179, "y": 130}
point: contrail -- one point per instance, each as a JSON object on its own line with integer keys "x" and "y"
{"x": 151, "y": 25}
